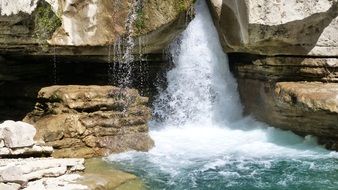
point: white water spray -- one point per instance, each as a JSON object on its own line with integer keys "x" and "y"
{"x": 200, "y": 89}
{"x": 202, "y": 131}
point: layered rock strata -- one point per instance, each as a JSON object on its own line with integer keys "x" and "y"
{"x": 73, "y": 27}
{"x": 292, "y": 93}
{"x": 284, "y": 56}
{"x": 277, "y": 27}
{"x": 88, "y": 121}
{"x": 38, "y": 171}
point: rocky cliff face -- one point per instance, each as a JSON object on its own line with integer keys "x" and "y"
{"x": 284, "y": 56}
{"x": 89, "y": 121}
{"x": 57, "y": 27}
{"x": 278, "y": 27}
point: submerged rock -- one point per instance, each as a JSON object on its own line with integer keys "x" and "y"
{"x": 102, "y": 175}
{"x": 277, "y": 28}
{"x": 88, "y": 121}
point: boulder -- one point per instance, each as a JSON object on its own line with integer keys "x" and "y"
{"x": 17, "y": 134}
{"x": 277, "y": 27}
{"x": 17, "y": 141}
{"x": 88, "y": 121}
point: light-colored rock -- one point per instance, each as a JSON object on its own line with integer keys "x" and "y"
{"x": 23, "y": 170}
{"x": 9, "y": 186}
{"x": 2, "y": 143}
{"x": 35, "y": 150}
{"x": 89, "y": 23}
{"x": 65, "y": 182}
{"x": 63, "y": 174}
{"x": 9, "y": 7}
{"x": 278, "y": 27}
{"x": 17, "y": 134}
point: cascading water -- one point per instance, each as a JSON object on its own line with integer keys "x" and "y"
{"x": 123, "y": 49}
{"x": 203, "y": 142}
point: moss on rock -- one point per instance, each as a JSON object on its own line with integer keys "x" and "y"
{"x": 46, "y": 22}
{"x": 156, "y": 13}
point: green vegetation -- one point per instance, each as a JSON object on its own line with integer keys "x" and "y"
{"x": 181, "y": 5}
{"x": 46, "y": 22}
{"x": 139, "y": 22}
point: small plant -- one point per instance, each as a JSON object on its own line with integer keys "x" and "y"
{"x": 181, "y": 5}
{"x": 139, "y": 22}
{"x": 46, "y": 22}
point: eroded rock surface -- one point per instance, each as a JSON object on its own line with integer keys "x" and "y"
{"x": 87, "y": 121}
{"x": 54, "y": 27}
{"x": 277, "y": 27}
{"x": 292, "y": 93}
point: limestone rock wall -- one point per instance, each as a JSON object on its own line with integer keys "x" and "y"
{"x": 277, "y": 27}
{"x": 291, "y": 93}
{"x": 284, "y": 56}
{"x": 62, "y": 26}
{"x": 89, "y": 121}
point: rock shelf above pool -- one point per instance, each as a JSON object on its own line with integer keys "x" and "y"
{"x": 38, "y": 172}
{"x": 89, "y": 121}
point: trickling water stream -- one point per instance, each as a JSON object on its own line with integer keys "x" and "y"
{"x": 123, "y": 50}
{"x": 202, "y": 140}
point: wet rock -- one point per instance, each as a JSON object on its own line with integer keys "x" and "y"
{"x": 291, "y": 93}
{"x": 277, "y": 28}
{"x": 302, "y": 107}
{"x": 101, "y": 175}
{"x": 88, "y": 121}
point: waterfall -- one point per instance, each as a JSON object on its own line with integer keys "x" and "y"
{"x": 202, "y": 141}
{"x": 201, "y": 88}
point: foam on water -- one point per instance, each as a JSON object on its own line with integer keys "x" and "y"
{"x": 201, "y": 139}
